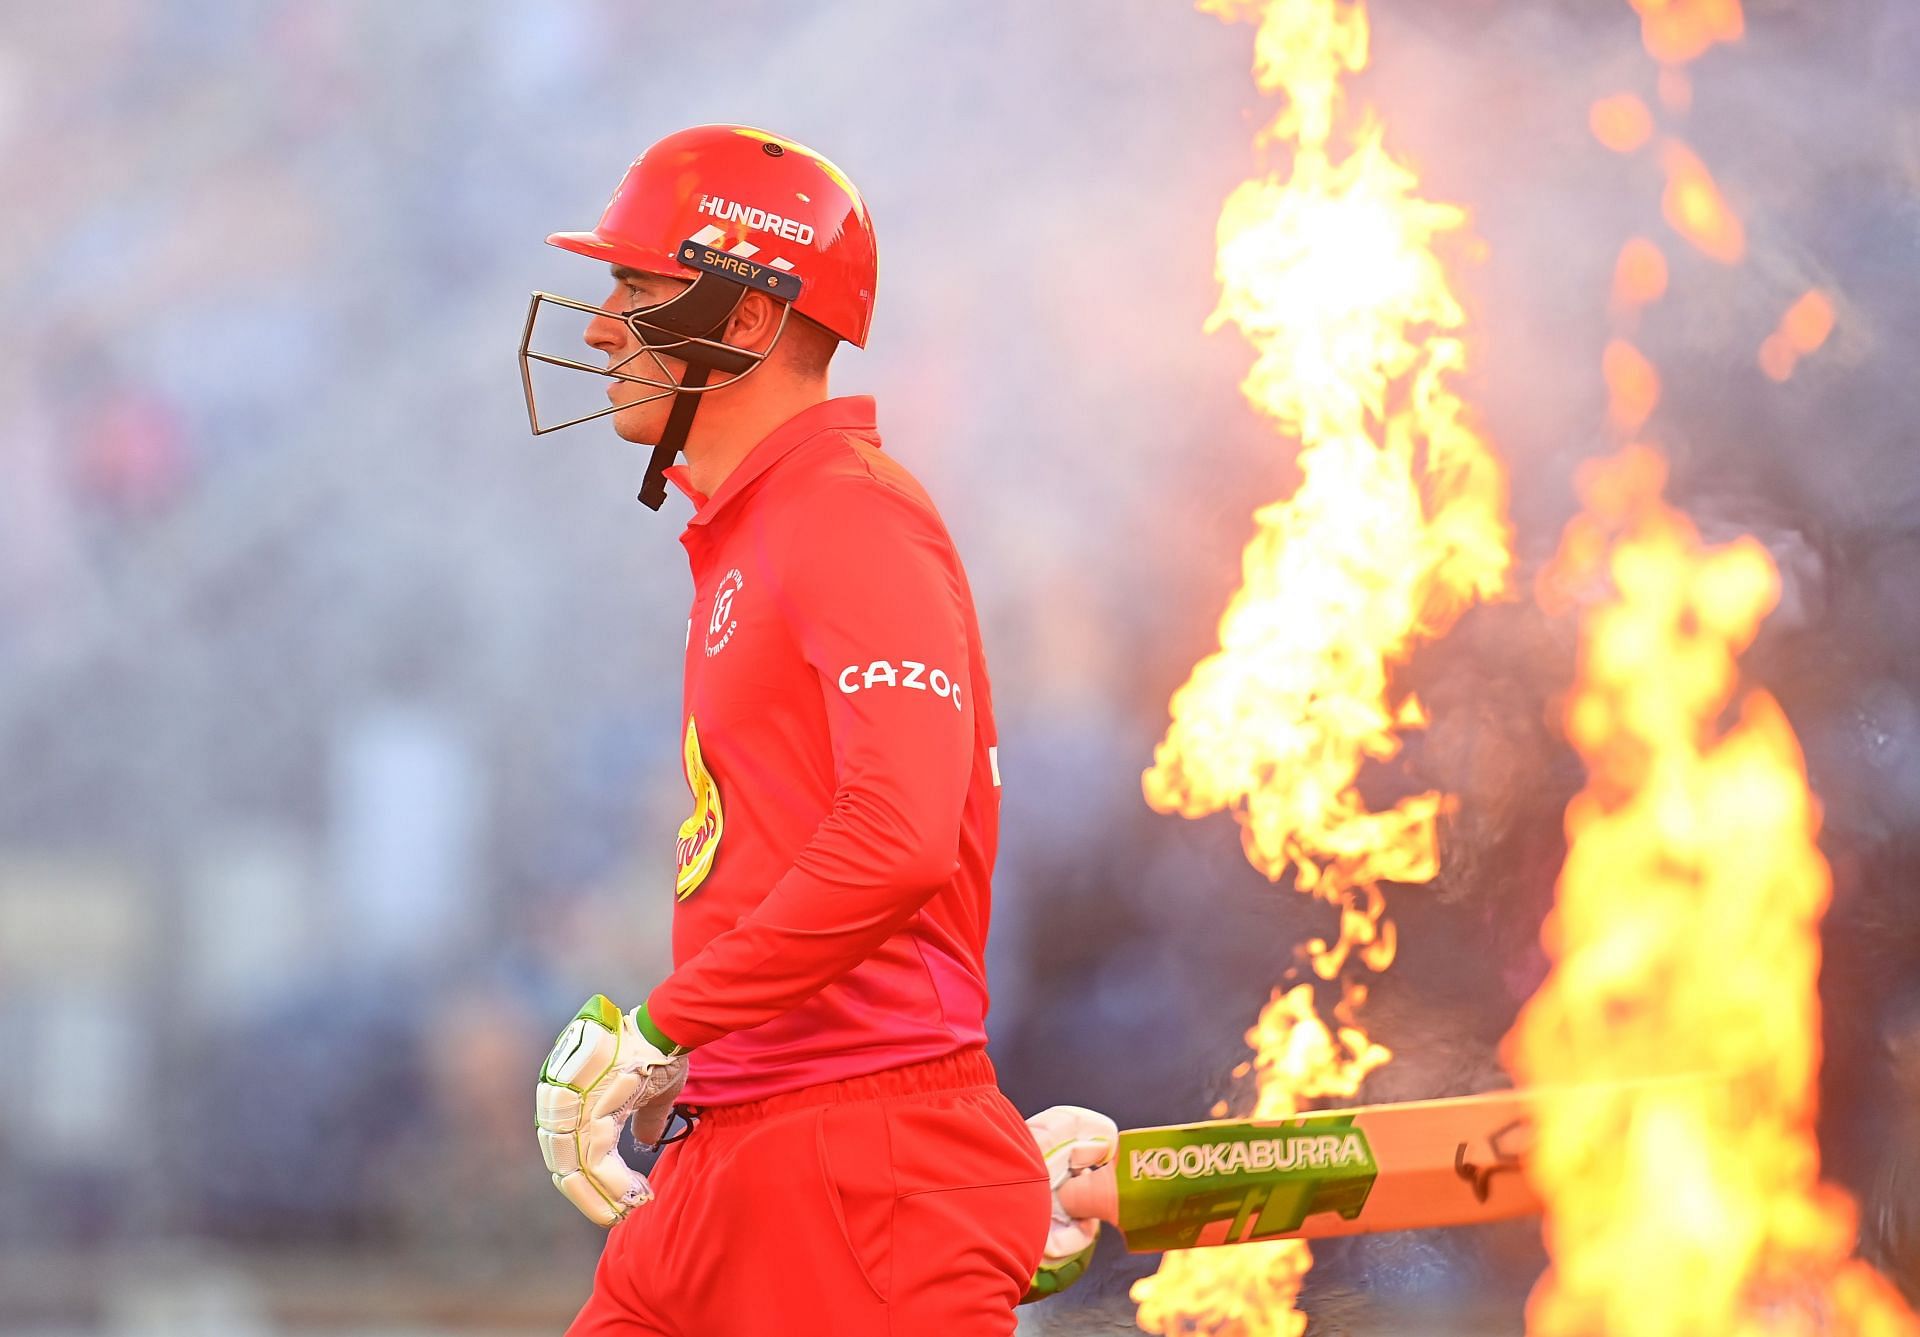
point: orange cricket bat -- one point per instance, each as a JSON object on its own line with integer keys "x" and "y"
{"x": 1407, "y": 1166}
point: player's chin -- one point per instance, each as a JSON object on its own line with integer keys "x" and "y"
{"x": 639, "y": 424}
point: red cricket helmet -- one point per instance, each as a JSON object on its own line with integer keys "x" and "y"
{"x": 753, "y": 194}
{"x": 733, "y": 210}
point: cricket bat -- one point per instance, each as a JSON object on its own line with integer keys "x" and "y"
{"x": 1451, "y": 1162}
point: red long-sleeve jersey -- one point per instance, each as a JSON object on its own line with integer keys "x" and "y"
{"x": 838, "y": 741}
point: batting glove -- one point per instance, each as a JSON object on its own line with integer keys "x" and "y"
{"x": 1072, "y": 1140}
{"x": 604, "y": 1070}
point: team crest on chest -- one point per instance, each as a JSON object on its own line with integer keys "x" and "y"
{"x": 722, "y": 624}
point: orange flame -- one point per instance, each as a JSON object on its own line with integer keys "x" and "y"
{"x": 1777, "y": 358}
{"x": 1639, "y": 276}
{"x": 1684, "y": 941}
{"x": 1802, "y": 330}
{"x": 1397, "y": 526}
{"x": 1633, "y": 386}
{"x": 1621, "y": 122}
{"x": 1677, "y": 31}
{"x": 1684, "y": 932}
{"x": 1808, "y": 322}
{"x": 1695, "y": 208}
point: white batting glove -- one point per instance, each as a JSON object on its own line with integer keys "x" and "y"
{"x": 1072, "y": 1140}
{"x": 602, "y": 1072}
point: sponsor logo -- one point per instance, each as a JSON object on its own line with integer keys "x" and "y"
{"x": 1225, "y": 1183}
{"x": 910, "y": 674}
{"x": 757, "y": 220}
{"x": 699, "y": 834}
{"x": 1500, "y": 1152}
{"x": 722, "y": 624}
{"x": 1267, "y": 1155}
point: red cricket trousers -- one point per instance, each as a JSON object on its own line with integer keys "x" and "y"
{"x": 910, "y": 1203}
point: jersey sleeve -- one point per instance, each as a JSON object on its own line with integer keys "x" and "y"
{"x": 874, "y": 596}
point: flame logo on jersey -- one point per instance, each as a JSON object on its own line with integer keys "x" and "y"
{"x": 700, "y": 833}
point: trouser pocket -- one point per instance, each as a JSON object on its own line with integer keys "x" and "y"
{"x": 855, "y": 1150}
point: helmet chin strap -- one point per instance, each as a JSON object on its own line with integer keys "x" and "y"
{"x": 653, "y": 489}
{"x": 698, "y": 314}
{"x": 688, "y": 327}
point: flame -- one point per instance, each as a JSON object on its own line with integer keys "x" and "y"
{"x": 1685, "y": 928}
{"x": 1621, "y": 122}
{"x": 1676, "y": 90}
{"x": 1633, "y": 386}
{"x": 1684, "y": 939}
{"x": 1808, "y": 322}
{"x": 1802, "y": 330}
{"x": 1639, "y": 276}
{"x": 1677, "y": 31}
{"x": 1247, "y": 1290}
{"x": 1397, "y": 526}
{"x": 1695, "y": 208}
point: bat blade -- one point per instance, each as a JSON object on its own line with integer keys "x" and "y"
{"x": 1373, "y": 1168}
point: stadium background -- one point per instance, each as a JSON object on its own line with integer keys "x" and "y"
{"x": 337, "y": 713}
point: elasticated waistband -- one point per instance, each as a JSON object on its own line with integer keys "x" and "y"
{"x": 954, "y": 1072}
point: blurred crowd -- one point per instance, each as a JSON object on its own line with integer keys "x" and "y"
{"x": 338, "y": 713}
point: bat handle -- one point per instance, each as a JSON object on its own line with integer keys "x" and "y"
{"x": 1092, "y": 1193}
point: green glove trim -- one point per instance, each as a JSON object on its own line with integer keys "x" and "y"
{"x": 600, "y": 1008}
{"x": 1052, "y": 1278}
{"x": 655, "y": 1036}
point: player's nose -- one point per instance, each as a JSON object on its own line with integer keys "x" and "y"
{"x": 605, "y": 334}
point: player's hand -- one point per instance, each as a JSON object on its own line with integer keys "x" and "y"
{"x": 602, "y": 1072}
{"x": 1072, "y": 1141}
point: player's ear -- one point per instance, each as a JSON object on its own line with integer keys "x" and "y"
{"x": 754, "y": 322}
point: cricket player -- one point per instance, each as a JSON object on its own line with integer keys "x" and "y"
{"x": 852, "y": 1167}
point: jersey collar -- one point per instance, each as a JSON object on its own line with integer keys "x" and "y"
{"x": 849, "y": 413}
